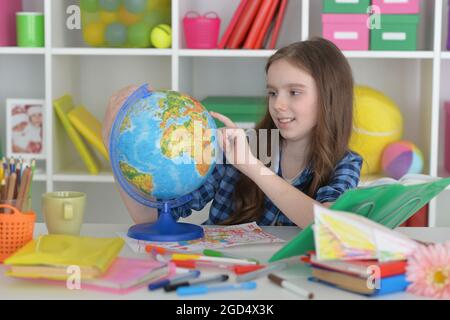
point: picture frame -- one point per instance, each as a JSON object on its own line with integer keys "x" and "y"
{"x": 25, "y": 128}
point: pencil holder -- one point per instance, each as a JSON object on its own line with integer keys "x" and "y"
{"x": 201, "y": 32}
{"x": 16, "y": 229}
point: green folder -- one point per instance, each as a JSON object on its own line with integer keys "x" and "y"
{"x": 389, "y": 205}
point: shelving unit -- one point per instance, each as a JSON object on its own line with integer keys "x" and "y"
{"x": 417, "y": 81}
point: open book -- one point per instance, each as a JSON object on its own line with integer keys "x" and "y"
{"x": 407, "y": 180}
{"x": 389, "y": 204}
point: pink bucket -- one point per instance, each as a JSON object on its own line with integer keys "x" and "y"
{"x": 8, "y": 9}
{"x": 201, "y": 32}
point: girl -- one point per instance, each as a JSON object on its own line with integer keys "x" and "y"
{"x": 310, "y": 101}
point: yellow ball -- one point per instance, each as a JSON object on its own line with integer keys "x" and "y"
{"x": 109, "y": 17}
{"x": 161, "y": 36}
{"x": 377, "y": 122}
{"x": 128, "y": 18}
{"x": 94, "y": 34}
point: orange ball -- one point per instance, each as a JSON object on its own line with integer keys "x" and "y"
{"x": 128, "y": 18}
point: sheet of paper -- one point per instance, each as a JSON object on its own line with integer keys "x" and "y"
{"x": 215, "y": 238}
{"x": 346, "y": 236}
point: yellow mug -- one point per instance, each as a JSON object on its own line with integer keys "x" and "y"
{"x": 64, "y": 211}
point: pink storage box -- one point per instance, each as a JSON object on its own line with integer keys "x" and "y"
{"x": 397, "y": 6}
{"x": 346, "y": 31}
{"x": 8, "y": 9}
{"x": 447, "y": 136}
{"x": 201, "y": 31}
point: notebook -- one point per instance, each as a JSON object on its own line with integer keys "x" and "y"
{"x": 360, "y": 268}
{"x": 63, "y": 106}
{"x": 388, "y": 204}
{"x": 360, "y": 285}
{"x": 126, "y": 275}
{"x": 48, "y": 257}
{"x": 89, "y": 127}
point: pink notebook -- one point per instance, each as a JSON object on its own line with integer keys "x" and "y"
{"x": 126, "y": 275}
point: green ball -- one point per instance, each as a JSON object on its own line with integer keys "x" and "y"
{"x": 139, "y": 35}
{"x": 89, "y": 5}
{"x": 161, "y": 36}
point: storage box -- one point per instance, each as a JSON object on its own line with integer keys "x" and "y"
{"x": 345, "y": 6}
{"x": 398, "y": 6}
{"x": 347, "y": 31}
{"x": 246, "y": 112}
{"x": 397, "y": 32}
{"x": 447, "y": 136}
{"x": 8, "y": 9}
{"x": 123, "y": 24}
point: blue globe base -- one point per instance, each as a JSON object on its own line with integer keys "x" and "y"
{"x": 166, "y": 229}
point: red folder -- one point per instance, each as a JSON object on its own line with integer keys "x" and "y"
{"x": 264, "y": 30}
{"x": 243, "y": 25}
{"x": 278, "y": 22}
{"x": 258, "y": 23}
{"x": 231, "y": 26}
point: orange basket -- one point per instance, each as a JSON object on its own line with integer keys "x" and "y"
{"x": 16, "y": 230}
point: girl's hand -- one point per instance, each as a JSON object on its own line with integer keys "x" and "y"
{"x": 233, "y": 142}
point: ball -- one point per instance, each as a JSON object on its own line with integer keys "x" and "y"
{"x": 109, "y": 5}
{"x": 128, "y": 18}
{"x": 89, "y": 17}
{"x": 139, "y": 35}
{"x": 116, "y": 35}
{"x": 161, "y": 36}
{"x": 89, "y": 5}
{"x": 377, "y": 122}
{"x": 108, "y": 17}
{"x": 135, "y": 6}
{"x": 400, "y": 158}
{"x": 94, "y": 34}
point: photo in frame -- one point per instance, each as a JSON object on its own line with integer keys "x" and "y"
{"x": 25, "y": 123}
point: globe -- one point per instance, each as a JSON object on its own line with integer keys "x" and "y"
{"x": 163, "y": 146}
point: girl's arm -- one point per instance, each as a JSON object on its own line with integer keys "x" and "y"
{"x": 296, "y": 205}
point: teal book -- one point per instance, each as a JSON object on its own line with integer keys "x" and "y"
{"x": 387, "y": 201}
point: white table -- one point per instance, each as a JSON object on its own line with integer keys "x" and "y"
{"x": 20, "y": 289}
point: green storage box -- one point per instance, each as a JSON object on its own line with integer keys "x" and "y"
{"x": 246, "y": 112}
{"x": 398, "y": 32}
{"x": 345, "y": 6}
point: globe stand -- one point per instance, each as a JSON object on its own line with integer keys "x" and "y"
{"x": 166, "y": 229}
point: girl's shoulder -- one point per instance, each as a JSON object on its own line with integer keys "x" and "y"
{"x": 351, "y": 157}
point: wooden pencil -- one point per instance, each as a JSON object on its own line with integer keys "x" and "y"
{"x": 10, "y": 189}
{"x": 23, "y": 190}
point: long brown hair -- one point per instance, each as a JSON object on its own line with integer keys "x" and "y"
{"x": 334, "y": 80}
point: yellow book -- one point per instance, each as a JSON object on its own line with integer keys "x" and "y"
{"x": 49, "y": 256}
{"x": 62, "y": 107}
{"x": 89, "y": 127}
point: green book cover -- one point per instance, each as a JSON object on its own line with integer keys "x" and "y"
{"x": 389, "y": 205}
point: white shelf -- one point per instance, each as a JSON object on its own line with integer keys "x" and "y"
{"x": 22, "y": 50}
{"x": 40, "y": 177}
{"x": 226, "y": 53}
{"x": 102, "y": 177}
{"x": 445, "y": 55}
{"x": 111, "y": 52}
{"x": 390, "y": 54}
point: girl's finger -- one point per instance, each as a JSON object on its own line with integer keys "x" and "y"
{"x": 224, "y": 119}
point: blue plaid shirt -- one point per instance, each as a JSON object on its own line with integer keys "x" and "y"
{"x": 219, "y": 187}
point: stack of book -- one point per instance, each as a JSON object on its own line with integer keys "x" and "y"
{"x": 254, "y": 25}
{"x": 367, "y": 277}
{"x": 92, "y": 262}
